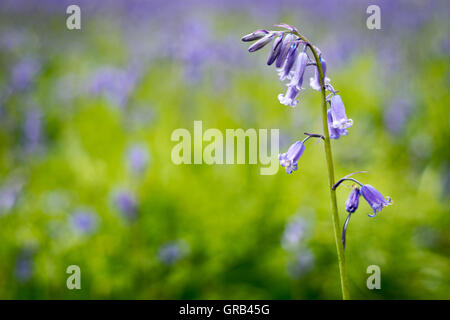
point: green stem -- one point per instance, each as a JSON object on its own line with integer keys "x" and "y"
{"x": 329, "y": 158}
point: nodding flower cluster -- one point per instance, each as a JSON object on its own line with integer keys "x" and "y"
{"x": 373, "y": 197}
{"x": 290, "y": 55}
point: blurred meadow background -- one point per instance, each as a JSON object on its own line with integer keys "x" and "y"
{"x": 86, "y": 176}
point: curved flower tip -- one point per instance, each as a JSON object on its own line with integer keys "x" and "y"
{"x": 286, "y": 26}
{"x": 288, "y": 99}
{"x": 340, "y": 120}
{"x": 261, "y": 43}
{"x": 289, "y": 160}
{"x": 375, "y": 199}
{"x": 256, "y": 35}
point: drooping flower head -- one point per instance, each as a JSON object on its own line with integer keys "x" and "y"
{"x": 285, "y": 45}
{"x": 335, "y": 133}
{"x": 353, "y": 200}
{"x": 299, "y": 71}
{"x": 288, "y": 99}
{"x": 374, "y": 198}
{"x": 276, "y": 49}
{"x": 315, "y": 82}
{"x": 340, "y": 120}
{"x": 290, "y": 60}
{"x": 289, "y": 160}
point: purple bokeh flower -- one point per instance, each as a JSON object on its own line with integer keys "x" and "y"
{"x": 334, "y": 133}
{"x": 138, "y": 157}
{"x": 302, "y": 263}
{"x": 294, "y": 233}
{"x": 126, "y": 202}
{"x": 23, "y": 269}
{"x": 315, "y": 82}
{"x": 340, "y": 120}
{"x": 32, "y": 129}
{"x": 171, "y": 252}
{"x": 353, "y": 200}
{"x": 289, "y": 160}
{"x": 114, "y": 83}
{"x": 374, "y": 198}
{"x": 23, "y": 73}
{"x": 84, "y": 221}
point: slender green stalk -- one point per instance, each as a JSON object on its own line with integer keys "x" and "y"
{"x": 329, "y": 159}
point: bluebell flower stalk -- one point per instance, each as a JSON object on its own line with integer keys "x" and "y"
{"x": 291, "y": 66}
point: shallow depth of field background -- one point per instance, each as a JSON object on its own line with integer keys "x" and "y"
{"x": 86, "y": 176}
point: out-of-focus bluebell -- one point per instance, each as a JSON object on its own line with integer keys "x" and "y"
{"x": 32, "y": 129}
{"x": 126, "y": 203}
{"x": 294, "y": 233}
{"x": 173, "y": 251}
{"x": 23, "y": 73}
{"x": 84, "y": 221}
{"x": 137, "y": 158}
{"x": 114, "y": 83}
{"x": 396, "y": 115}
{"x": 24, "y": 266}
{"x": 301, "y": 264}
{"x": 9, "y": 193}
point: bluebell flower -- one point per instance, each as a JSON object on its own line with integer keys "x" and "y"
{"x": 276, "y": 48}
{"x": 285, "y": 71}
{"x": 289, "y": 160}
{"x": 285, "y": 46}
{"x": 261, "y": 43}
{"x": 340, "y": 120}
{"x": 334, "y": 133}
{"x": 374, "y": 198}
{"x": 256, "y": 35}
{"x": 299, "y": 71}
{"x": 288, "y": 99}
{"x": 315, "y": 82}
{"x": 353, "y": 200}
